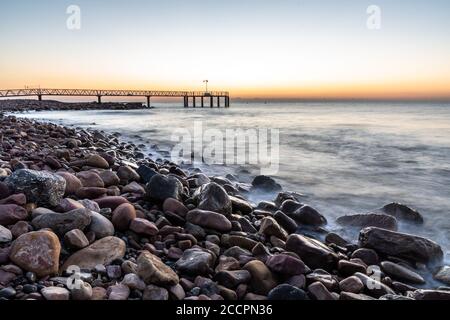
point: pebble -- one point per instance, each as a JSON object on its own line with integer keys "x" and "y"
{"x": 37, "y": 252}
{"x": 61, "y": 223}
{"x": 195, "y": 262}
{"x": 152, "y": 270}
{"x": 55, "y": 293}
{"x": 76, "y": 239}
{"x": 262, "y": 279}
{"x": 209, "y": 219}
{"x": 212, "y": 197}
{"x": 443, "y": 275}
{"x": 401, "y": 273}
{"x": 123, "y": 215}
{"x": 40, "y": 187}
{"x": 118, "y": 292}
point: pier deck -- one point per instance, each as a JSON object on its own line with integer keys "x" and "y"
{"x": 188, "y": 96}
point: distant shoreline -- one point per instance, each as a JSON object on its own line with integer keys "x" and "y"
{"x": 23, "y": 105}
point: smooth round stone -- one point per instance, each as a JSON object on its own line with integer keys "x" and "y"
{"x": 123, "y": 215}
{"x": 402, "y": 273}
{"x": 29, "y": 288}
{"x": 7, "y": 293}
{"x": 55, "y": 293}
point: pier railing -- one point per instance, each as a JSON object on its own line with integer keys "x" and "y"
{"x": 39, "y": 92}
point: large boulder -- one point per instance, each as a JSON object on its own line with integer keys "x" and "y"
{"x": 161, "y": 187}
{"x": 61, "y": 223}
{"x": 209, "y": 220}
{"x": 101, "y": 252}
{"x": 37, "y": 252}
{"x": 369, "y": 220}
{"x": 153, "y": 271}
{"x": 314, "y": 253}
{"x": 213, "y": 197}
{"x": 401, "y": 245}
{"x": 41, "y": 187}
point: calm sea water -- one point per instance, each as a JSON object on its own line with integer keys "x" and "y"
{"x": 345, "y": 157}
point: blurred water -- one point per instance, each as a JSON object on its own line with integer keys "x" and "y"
{"x": 346, "y": 157}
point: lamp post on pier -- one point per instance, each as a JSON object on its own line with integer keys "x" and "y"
{"x": 206, "y": 85}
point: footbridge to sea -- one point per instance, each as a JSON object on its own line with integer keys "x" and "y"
{"x": 190, "y": 98}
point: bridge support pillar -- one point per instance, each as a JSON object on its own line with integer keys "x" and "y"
{"x": 227, "y": 102}
{"x": 193, "y": 101}
{"x": 185, "y": 102}
{"x": 211, "y": 102}
{"x": 218, "y": 102}
{"x": 203, "y": 103}
{"x": 148, "y": 101}
{"x": 99, "y": 99}
{"x": 40, "y": 97}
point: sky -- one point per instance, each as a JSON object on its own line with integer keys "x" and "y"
{"x": 252, "y": 48}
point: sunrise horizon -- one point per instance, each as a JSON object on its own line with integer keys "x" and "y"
{"x": 295, "y": 51}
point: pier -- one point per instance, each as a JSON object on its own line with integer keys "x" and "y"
{"x": 209, "y": 99}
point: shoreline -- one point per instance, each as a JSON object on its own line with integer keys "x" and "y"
{"x": 163, "y": 233}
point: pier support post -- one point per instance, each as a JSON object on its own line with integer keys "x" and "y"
{"x": 193, "y": 101}
{"x": 218, "y": 102}
{"x": 40, "y": 97}
{"x": 148, "y": 101}
{"x": 203, "y": 103}
{"x": 227, "y": 101}
{"x": 185, "y": 102}
{"x": 211, "y": 102}
{"x": 99, "y": 99}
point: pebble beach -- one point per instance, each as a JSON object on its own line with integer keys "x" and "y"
{"x": 85, "y": 215}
